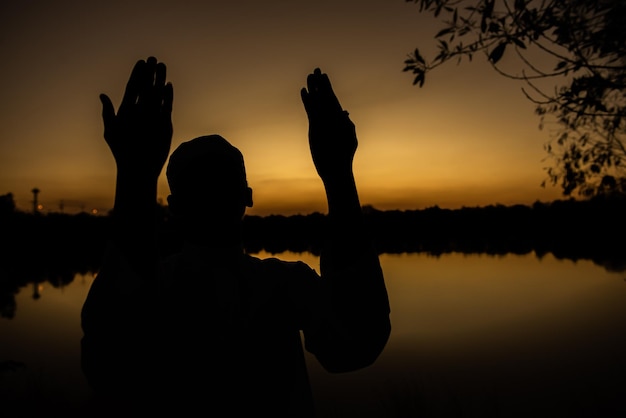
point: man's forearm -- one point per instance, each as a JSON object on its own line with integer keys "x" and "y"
{"x": 134, "y": 221}
{"x": 346, "y": 238}
{"x": 343, "y": 198}
{"x": 358, "y": 297}
{"x": 134, "y": 195}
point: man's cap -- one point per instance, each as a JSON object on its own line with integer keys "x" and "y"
{"x": 207, "y": 161}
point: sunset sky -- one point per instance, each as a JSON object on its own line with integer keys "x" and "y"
{"x": 469, "y": 137}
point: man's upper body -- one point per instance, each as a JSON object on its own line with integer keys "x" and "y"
{"x": 211, "y": 326}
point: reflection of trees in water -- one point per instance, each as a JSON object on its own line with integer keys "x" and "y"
{"x": 592, "y": 229}
{"x": 55, "y": 247}
{"x": 50, "y": 248}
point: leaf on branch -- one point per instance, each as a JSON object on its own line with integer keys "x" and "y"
{"x": 418, "y": 57}
{"x": 519, "y": 43}
{"x": 494, "y": 27}
{"x": 419, "y": 79}
{"x": 488, "y": 11}
{"x": 438, "y": 10}
{"x": 444, "y": 32}
{"x": 497, "y": 53}
{"x": 560, "y": 65}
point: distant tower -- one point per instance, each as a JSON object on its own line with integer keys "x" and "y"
{"x": 35, "y": 203}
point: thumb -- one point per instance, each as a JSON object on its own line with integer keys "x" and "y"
{"x": 108, "y": 113}
{"x": 306, "y": 101}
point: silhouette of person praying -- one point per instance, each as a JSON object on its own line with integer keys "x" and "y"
{"x": 210, "y": 328}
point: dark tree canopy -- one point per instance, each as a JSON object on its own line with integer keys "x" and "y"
{"x": 7, "y": 203}
{"x": 579, "y": 46}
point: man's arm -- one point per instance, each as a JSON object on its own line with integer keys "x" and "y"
{"x": 117, "y": 316}
{"x": 349, "y": 264}
{"x": 139, "y": 137}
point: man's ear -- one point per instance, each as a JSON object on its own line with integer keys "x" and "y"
{"x": 248, "y": 197}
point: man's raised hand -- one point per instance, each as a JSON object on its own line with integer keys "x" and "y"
{"x": 332, "y": 135}
{"x": 140, "y": 134}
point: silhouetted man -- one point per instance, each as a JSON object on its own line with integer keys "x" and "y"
{"x": 211, "y": 328}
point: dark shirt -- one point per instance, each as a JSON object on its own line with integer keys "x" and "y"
{"x": 227, "y": 334}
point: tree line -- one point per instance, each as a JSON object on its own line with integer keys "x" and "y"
{"x": 54, "y": 247}
{"x": 591, "y": 228}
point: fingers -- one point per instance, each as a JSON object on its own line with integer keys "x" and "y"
{"x": 326, "y": 89}
{"x": 164, "y": 92}
{"x": 108, "y": 112}
{"x": 133, "y": 86}
{"x": 159, "y": 77}
{"x": 311, "y": 82}
{"x": 147, "y": 87}
{"x": 151, "y": 63}
{"x": 309, "y": 94}
{"x": 304, "y": 95}
{"x": 319, "y": 96}
{"x": 318, "y": 82}
{"x": 149, "y": 91}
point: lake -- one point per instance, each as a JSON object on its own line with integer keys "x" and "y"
{"x": 473, "y": 336}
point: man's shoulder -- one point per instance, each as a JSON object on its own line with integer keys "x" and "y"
{"x": 274, "y": 276}
{"x": 274, "y": 265}
{"x": 278, "y": 268}
{"x": 251, "y": 264}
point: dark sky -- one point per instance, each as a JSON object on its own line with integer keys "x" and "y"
{"x": 468, "y": 137}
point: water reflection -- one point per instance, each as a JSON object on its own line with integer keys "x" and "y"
{"x": 61, "y": 273}
{"x": 477, "y": 336}
{"x": 481, "y": 336}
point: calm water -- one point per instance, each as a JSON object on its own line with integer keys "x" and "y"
{"x": 472, "y": 335}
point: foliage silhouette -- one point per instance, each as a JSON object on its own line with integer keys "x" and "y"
{"x": 580, "y": 46}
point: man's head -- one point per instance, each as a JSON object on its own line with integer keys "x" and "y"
{"x": 207, "y": 180}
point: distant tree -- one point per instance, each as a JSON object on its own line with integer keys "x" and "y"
{"x": 7, "y": 203}
{"x": 579, "y": 46}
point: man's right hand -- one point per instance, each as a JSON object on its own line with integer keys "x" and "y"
{"x": 332, "y": 135}
{"x": 140, "y": 134}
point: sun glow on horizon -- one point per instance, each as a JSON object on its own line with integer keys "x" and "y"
{"x": 468, "y": 137}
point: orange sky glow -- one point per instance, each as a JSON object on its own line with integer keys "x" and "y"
{"x": 467, "y": 138}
